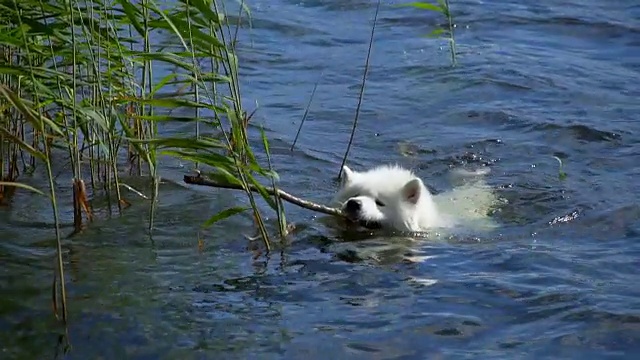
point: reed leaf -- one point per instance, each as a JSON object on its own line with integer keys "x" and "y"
{"x": 22, "y": 186}
{"x": 223, "y": 215}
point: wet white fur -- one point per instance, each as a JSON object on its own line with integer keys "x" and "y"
{"x": 408, "y": 204}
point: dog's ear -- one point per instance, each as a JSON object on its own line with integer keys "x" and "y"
{"x": 412, "y": 190}
{"x": 347, "y": 175}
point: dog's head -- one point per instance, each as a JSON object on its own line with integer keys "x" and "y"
{"x": 384, "y": 197}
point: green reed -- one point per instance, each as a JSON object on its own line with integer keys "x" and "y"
{"x": 80, "y": 93}
{"x": 562, "y": 175}
{"x": 443, "y": 7}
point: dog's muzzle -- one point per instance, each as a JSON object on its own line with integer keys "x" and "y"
{"x": 352, "y": 209}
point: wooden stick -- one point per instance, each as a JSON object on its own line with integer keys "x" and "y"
{"x": 199, "y": 180}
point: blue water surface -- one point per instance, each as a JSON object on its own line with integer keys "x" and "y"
{"x": 558, "y": 279}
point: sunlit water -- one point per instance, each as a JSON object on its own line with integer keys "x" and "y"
{"x": 557, "y": 279}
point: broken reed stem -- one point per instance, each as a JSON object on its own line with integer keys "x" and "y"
{"x": 199, "y": 180}
{"x": 80, "y": 202}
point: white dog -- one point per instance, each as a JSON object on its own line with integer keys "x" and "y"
{"x": 391, "y": 197}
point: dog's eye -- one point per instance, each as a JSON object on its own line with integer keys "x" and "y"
{"x": 379, "y": 203}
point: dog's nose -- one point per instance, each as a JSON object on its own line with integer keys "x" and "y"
{"x": 353, "y": 206}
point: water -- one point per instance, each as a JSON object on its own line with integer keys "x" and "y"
{"x": 558, "y": 279}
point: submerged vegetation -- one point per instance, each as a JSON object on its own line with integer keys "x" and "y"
{"x": 81, "y": 103}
